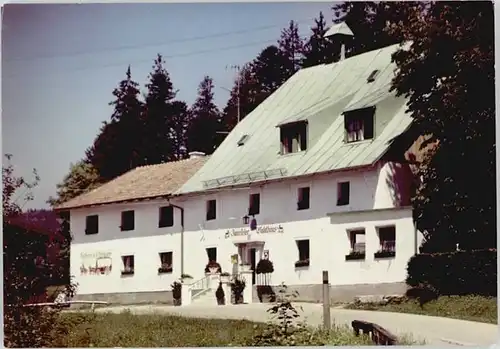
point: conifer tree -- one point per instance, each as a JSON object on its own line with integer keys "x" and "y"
{"x": 158, "y": 138}
{"x": 318, "y": 49}
{"x": 117, "y": 148}
{"x": 181, "y": 119}
{"x": 205, "y": 120}
{"x": 292, "y": 46}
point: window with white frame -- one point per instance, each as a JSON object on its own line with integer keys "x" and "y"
{"x": 357, "y": 239}
{"x": 254, "y": 204}
{"x": 166, "y": 262}
{"x": 212, "y": 254}
{"x": 387, "y": 238}
{"x": 211, "y": 210}
{"x": 128, "y": 265}
{"x": 128, "y": 220}
{"x": 359, "y": 124}
{"x": 166, "y": 217}
{"x": 343, "y": 193}
{"x": 293, "y": 137}
{"x": 304, "y": 196}
{"x": 303, "y": 252}
{"x": 91, "y": 225}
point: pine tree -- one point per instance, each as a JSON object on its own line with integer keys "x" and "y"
{"x": 269, "y": 72}
{"x": 292, "y": 46}
{"x": 117, "y": 148}
{"x": 247, "y": 98}
{"x": 158, "y": 145}
{"x": 318, "y": 49}
{"x": 205, "y": 120}
{"x": 181, "y": 120}
{"x": 257, "y": 81}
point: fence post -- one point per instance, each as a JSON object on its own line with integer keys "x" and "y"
{"x": 326, "y": 301}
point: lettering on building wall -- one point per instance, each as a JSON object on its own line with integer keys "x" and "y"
{"x": 263, "y": 229}
{"x": 95, "y": 263}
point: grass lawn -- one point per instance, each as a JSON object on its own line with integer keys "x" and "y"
{"x": 472, "y": 308}
{"x": 128, "y": 330}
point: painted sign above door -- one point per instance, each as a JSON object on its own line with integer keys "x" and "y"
{"x": 263, "y": 229}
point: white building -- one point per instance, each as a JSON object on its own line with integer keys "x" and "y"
{"x": 313, "y": 164}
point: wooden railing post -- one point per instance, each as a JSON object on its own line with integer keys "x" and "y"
{"x": 326, "y": 301}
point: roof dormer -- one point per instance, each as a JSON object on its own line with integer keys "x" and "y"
{"x": 359, "y": 125}
{"x": 293, "y": 137}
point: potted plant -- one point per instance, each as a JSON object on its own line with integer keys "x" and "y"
{"x": 219, "y": 294}
{"x": 384, "y": 254}
{"x": 165, "y": 268}
{"x": 213, "y": 267}
{"x": 237, "y": 287}
{"x": 177, "y": 292}
{"x": 355, "y": 255}
{"x": 224, "y": 277}
{"x": 302, "y": 263}
{"x": 265, "y": 266}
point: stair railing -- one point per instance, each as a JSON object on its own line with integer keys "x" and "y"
{"x": 201, "y": 284}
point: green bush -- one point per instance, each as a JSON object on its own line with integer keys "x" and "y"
{"x": 237, "y": 287}
{"x": 176, "y": 292}
{"x": 265, "y": 266}
{"x": 455, "y": 273}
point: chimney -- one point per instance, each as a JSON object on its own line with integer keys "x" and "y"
{"x": 196, "y": 154}
{"x": 340, "y": 32}
{"x": 342, "y": 52}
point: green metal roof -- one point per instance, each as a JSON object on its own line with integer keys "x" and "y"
{"x": 318, "y": 95}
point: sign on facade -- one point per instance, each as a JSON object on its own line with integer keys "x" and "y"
{"x": 234, "y": 259}
{"x": 263, "y": 229}
{"x": 96, "y": 263}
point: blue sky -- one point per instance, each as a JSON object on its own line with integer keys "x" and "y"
{"x": 60, "y": 64}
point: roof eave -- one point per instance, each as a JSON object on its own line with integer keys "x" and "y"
{"x": 143, "y": 199}
{"x": 275, "y": 180}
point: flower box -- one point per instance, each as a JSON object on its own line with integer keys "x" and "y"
{"x": 385, "y": 254}
{"x": 354, "y": 256}
{"x": 302, "y": 264}
{"x": 165, "y": 270}
{"x": 213, "y": 267}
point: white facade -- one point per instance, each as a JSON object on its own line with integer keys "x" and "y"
{"x": 374, "y": 193}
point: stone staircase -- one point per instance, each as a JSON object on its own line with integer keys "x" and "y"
{"x": 203, "y": 290}
{"x": 205, "y": 297}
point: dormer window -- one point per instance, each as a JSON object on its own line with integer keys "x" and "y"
{"x": 359, "y": 124}
{"x": 293, "y": 137}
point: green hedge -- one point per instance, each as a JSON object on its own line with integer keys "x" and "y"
{"x": 455, "y": 273}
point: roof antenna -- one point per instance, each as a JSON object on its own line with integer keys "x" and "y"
{"x": 340, "y": 31}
